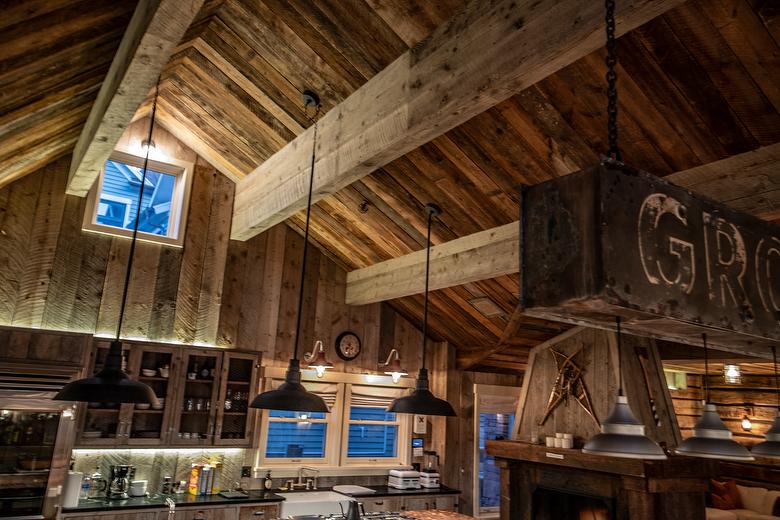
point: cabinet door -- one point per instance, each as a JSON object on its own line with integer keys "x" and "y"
{"x": 417, "y": 503}
{"x": 238, "y": 386}
{"x": 445, "y": 503}
{"x": 102, "y": 424}
{"x": 200, "y": 513}
{"x": 151, "y": 364}
{"x": 137, "y": 515}
{"x": 380, "y": 504}
{"x": 195, "y": 410}
{"x": 259, "y": 512}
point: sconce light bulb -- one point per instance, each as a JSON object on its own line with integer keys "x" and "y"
{"x": 396, "y": 376}
{"x": 746, "y": 424}
{"x": 320, "y": 370}
{"x": 146, "y": 145}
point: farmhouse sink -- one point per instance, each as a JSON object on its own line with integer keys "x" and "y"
{"x": 313, "y": 503}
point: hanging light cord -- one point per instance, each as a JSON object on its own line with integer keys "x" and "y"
{"x": 427, "y": 271}
{"x": 619, "y": 356}
{"x": 306, "y": 235}
{"x": 612, "y": 95}
{"x": 706, "y": 368}
{"x": 129, "y": 271}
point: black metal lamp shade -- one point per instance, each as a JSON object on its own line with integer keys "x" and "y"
{"x": 622, "y": 435}
{"x": 291, "y": 395}
{"x": 712, "y": 440}
{"x": 110, "y": 385}
{"x": 422, "y": 401}
{"x": 770, "y": 448}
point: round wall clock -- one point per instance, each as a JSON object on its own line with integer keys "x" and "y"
{"x": 348, "y": 346}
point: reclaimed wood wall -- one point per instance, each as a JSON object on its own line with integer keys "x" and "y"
{"x": 754, "y": 393}
{"x": 212, "y": 291}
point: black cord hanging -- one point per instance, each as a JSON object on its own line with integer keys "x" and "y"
{"x": 619, "y": 355}
{"x": 706, "y": 368}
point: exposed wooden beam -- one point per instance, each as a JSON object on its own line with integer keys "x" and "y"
{"x": 749, "y": 182}
{"x": 152, "y": 34}
{"x": 466, "y": 361}
{"x": 483, "y": 55}
{"x": 479, "y": 256}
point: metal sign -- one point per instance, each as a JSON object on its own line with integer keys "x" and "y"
{"x": 611, "y": 240}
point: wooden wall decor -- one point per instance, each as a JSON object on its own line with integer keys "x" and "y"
{"x": 614, "y": 240}
{"x": 597, "y": 359}
{"x": 569, "y": 384}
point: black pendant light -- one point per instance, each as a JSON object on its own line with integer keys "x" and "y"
{"x": 770, "y": 448}
{"x": 111, "y": 384}
{"x": 291, "y": 395}
{"x": 711, "y": 439}
{"x": 622, "y": 435}
{"x": 422, "y": 401}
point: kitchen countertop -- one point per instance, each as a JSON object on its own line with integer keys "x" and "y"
{"x": 386, "y": 491}
{"x": 158, "y": 501}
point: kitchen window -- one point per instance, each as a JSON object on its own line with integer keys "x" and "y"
{"x": 358, "y": 431}
{"x": 113, "y": 203}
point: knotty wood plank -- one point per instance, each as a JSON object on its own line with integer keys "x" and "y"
{"x": 154, "y": 30}
{"x": 362, "y": 134}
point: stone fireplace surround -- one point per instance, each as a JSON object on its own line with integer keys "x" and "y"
{"x": 620, "y": 489}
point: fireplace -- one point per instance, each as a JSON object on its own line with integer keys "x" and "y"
{"x": 555, "y": 504}
{"x": 539, "y": 483}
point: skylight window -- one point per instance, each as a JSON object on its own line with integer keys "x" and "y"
{"x": 113, "y": 203}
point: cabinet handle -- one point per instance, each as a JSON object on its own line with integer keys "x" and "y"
{"x": 259, "y": 513}
{"x": 200, "y": 515}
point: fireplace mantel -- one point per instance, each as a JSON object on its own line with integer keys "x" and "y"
{"x": 636, "y": 489}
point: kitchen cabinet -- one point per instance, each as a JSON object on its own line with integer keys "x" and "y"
{"x": 200, "y": 513}
{"x": 381, "y": 504}
{"x": 259, "y": 512}
{"x": 204, "y": 394}
{"x": 111, "y": 515}
{"x": 423, "y": 503}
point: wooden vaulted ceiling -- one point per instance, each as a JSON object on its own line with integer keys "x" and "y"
{"x": 698, "y": 84}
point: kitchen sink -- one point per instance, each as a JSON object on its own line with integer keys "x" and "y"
{"x": 313, "y": 503}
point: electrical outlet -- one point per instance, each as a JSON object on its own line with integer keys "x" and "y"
{"x": 246, "y": 471}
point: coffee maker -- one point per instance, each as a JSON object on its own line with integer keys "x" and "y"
{"x": 119, "y": 481}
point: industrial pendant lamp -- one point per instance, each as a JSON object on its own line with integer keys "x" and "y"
{"x": 622, "y": 435}
{"x": 111, "y": 384}
{"x": 291, "y": 395}
{"x": 422, "y": 401}
{"x": 770, "y": 448}
{"x": 711, "y": 439}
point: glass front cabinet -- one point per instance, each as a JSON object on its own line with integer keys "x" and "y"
{"x": 203, "y": 396}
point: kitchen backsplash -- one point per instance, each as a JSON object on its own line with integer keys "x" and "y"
{"x": 154, "y": 465}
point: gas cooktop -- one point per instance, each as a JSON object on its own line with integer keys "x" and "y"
{"x": 384, "y": 515}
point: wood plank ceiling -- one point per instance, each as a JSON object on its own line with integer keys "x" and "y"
{"x": 698, "y": 84}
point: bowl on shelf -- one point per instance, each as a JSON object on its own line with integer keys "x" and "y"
{"x": 148, "y": 372}
{"x": 142, "y": 406}
{"x": 160, "y": 403}
{"x": 94, "y": 434}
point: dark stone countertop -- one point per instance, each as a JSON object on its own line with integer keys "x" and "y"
{"x": 158, "y": 501}
{"x": 386, "y": 491}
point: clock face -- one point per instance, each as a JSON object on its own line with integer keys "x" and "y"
{"x": 348, "y": 346}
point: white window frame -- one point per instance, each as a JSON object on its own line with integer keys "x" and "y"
{"x": 182, "y": 170}
{"x": 336, "y": 461}
{"x": 487, "y": 390}
{"x": 124, "y": 200}
{"x": 402, "y": 421}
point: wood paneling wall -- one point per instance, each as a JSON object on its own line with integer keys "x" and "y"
{"x": 212, "y": 291}
{"x": 754, "y": 392}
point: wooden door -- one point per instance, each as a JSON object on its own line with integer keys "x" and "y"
{"x": 154, "y": 365}
{"x": 238, "y": 386}
{"x": 102, "y": 424}
{"x": 194, "y": 409}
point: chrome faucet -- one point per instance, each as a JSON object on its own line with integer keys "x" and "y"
{"x": 310, "y": 483}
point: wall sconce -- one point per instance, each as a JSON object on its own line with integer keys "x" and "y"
{"x": 317, "y": 360}
{"x": 732, "y": 374}
{"x": 747, "y": 425}
{"x": 146, "y": 144}
{"x": 393, "y": 366}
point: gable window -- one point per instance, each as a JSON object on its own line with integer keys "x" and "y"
{"x": 114, "y": 202}
{"x": 358, "y": 431}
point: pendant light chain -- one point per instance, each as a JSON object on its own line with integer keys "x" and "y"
{"x": 298, "y": 319}
{"x": 129, "y": 270}
{"x": 612, "y": 95}
{"x": 427, "y": 271}
{"x": 706, "y": 368}
{"x": 777, "y": 377}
